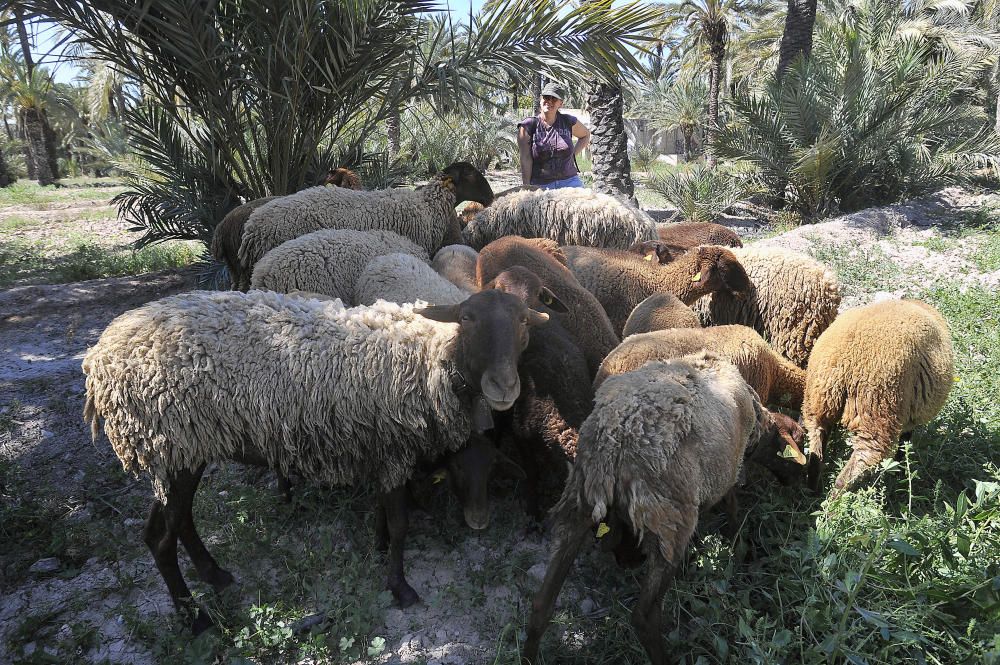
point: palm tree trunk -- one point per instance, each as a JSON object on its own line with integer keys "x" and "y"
{"x": 392, "y": 123}
{"x": 797, "y": 37}
{"x": 609, "y": 143}
{"x": 718, "y": 52}
{"x": 22, "y": 132}
{"x": 5, "y": 176}
{"x": 536, "y": 93}
{"x": 51, "y": 149}
{"x": 35, "y": 129}
{"x": 688, "y": 143}
{"x": 22, "y": 34}
{"x": 6, "y": 126}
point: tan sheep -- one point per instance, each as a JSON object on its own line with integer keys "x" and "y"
{"x": 457, "y": 264}
{"x": 880, "y": 370}
{"x": 620, "y": 280}
{"x": 660, "y": 311}
{"x": 776, "y": 380}
{"x": 792, "y": 300}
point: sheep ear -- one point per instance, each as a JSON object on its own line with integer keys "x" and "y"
{"x": 549, "y": 300}
{"x": 537, "y": 318}
{"x": 442, "y": 313}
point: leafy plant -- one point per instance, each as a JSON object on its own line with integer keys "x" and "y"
{"x": 643, "y": 156}
{"x": 701, "y": 193}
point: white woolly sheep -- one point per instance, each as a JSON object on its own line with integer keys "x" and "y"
{"x": 457, "y": 264}
{"x": 286, "y": 382}
{"x": 663, "y": 443}
{"x": 792, "y": 300}
{"x": 328, "y": 261}
{"x": 880, "y": 370}
{"x": 620, "y": 280}
{"x": 569, "y": 216}
{"x": 425, "y": 215}
{"x": 660, "y": 311}
{"x": 403, "y": 278}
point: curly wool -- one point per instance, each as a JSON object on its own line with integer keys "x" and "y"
{"x": 404, "y": 278}
{"x": 793, "y": 299}
{"x": 773, "y": 378}
{"x": 457, "y": 264}
{"x": 660, "y": 311}
{"x": 569, "y": 216}
{"x": 423, "y": 215}
{"x": 663, "y": 441}
{"x": 203, "y": 377}
{"x": 328, "y": 261}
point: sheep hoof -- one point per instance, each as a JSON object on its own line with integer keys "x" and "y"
{"x": 405, "y": 595}
{"x": 201, "y": 623}
{"x": 220, "y": 579}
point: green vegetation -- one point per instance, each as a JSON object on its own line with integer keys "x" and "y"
{"x": 24, "y": 193}
{"x": 701, "y": 193}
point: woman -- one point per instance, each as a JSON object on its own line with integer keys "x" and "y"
{"x": 548, "y": 156}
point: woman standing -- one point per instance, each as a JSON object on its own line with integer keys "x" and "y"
{"x": 548, "y": 156}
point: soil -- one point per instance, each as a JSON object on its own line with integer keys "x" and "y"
{"x": 44, "y": 333}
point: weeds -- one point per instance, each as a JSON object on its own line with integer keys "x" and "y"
{"x": 860, "y": 269}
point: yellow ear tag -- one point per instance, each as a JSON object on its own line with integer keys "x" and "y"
{"x": 697, "y": 277}
{"x": 603, "y": 530}
{"x": 439, "y": 475}
{"x": 648, "y": 257}
{"x": 791, "y": 453}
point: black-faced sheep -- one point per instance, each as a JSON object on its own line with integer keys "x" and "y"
{"x": 880, "y": 370}
{"x": 663, "y": 443}
{"x": 660, "y": 311}
{"x": 585, "y": 319}
{"x": 620, "y": 280}
{"x": 286, "y": 382}
{"x": 425, "y": 215}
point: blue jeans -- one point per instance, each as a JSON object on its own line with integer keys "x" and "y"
{"x": 573, "y": 181}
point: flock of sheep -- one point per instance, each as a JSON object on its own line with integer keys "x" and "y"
{"x": 629, "y": 364}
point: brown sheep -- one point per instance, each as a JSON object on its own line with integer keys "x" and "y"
{"x": 621, "y": 280}
{"x": 692, "y": 234}
{"x": 660, "y": 311}
{"x": 341, "y": 177}
{"x": 585, "y": 321}
{"x": 227, "y": 237}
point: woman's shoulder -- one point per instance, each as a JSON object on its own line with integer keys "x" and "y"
{"x": 567, "y": 119}
{"x": 529, "y": 123}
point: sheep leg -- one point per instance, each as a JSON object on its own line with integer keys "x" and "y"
{"x": 817, "y": 440}
{"x": 732, "y": 506}
{"x": 160, "y": 535}
{"x": 869, "y": 451}
{"x": 381, "y": 529}
{"x": 397, "y": 519}
{"x": 541, "y": 607}
{"x": 182, "y": 489}
{"x": 647, "y": 615}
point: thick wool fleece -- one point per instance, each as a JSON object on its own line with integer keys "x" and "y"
{"x": 403, "y": 278}
{"x": 881, "y": 370}
{"x": 691, "y": 234}
{"x": 660, "y": 311}
{"x": 457, "y": 264}
{"x": 774, "y": 379}
{"x": 423, "y": 215}
{"x": 570, "y": 216}
{"x": 328, "y": 261}
{"x": 792, "y": 301}
{"x": 661, "y": 442}
{"x": 203, "y": 377}
{"x": 228, "y": 236}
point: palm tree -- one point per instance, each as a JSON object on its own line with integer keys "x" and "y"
{"x": 797, "y": 37}
{"x": 680, "y": 105}
{"x": 29, "y": 93}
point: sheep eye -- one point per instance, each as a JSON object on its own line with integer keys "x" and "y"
{"x": 524, "y": 320}
{"x": 546, "y": 299}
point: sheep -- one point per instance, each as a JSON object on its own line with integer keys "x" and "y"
{"x": 556, "y": 396}
{"x": 792, "y": 300}
{"x": 404, "y": 278}
{"x": 226, "y": 241}
{"x": 327, "y": 261}
{"x": 425, "y": 215}
{"x": 570, "y": 216}
{"x": 660, "y": 311}
{"x": 775, "y": 379}
{"x": 881, "y": 370}
{"x": 286, "y": 382}
{"x": 585, "y": 319}
{"x": 341, "y": 177}
{"x": 663, "y": 442}
{"x": 621, "y": 280}
{"x": 457, "y": 264}
{"x": 470, "y": 211}
{"x": 691, "y": 234}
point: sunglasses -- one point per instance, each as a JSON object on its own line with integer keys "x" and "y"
{"x": 550, "y": 98}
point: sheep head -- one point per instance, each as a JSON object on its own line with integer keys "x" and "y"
{"x": 526, "y": 285}
{"x": 469, "y": 184}
{"x": 777, "y": 444}
{"x": 469, "y": 470}
{"x": 341, "y": 177}
{"x": 655, "y": 250}
{"x": 719, "y": 270}
{"x": 492, "y": 334}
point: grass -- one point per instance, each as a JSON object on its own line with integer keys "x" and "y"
{"x": 25, "y": 193}
{"x": 859, "y": 269}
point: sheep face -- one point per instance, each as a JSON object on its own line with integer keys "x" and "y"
{"x": 779, "y": 446}
{"x": 527, "y": 286}
{"x": 469, "y": 183}
{"x": 722, "y": 271}
{"x": 492, "y": 334}
{"x": 469, "y": 471}
{"x": 655, "y": 250}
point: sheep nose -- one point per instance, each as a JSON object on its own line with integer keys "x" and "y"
{"x": 477, "y": 519}
{"x": 501, "y": 389}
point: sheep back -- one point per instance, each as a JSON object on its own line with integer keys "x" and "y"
{"x": 327, "y": 261}
{"x": 792, "y": 300}
{"x": 208, "y": 376}
{"x": 692, "y": 234}
{"x": 457, "y": 264}
{"x": 569, "y": 216}
{"x": 404, "y": 278}
{"x": 660, "y": 311}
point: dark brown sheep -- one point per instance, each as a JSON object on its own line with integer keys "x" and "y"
{"x": 226, "y": 241}
{"x": 692, "y": 234}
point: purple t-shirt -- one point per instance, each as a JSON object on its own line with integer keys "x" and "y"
{"x": 551, "y": 149}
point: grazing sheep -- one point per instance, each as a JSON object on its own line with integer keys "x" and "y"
{"x": 286, "y": 382}
{"x": 341, "y": 177}
{"x": 585, "y": 320}
{"x": 402, "y": 278}
{"x": 327, "y": 261}
{"x": 569, "y": 216}
{"x": 425, "y": 215}
{"x": 792, "y": 300}
{"x": 457, "y": 264}
{"x": 227, "y": 237}
{"x": 556, "y": 396}
{"x": 660, "y": 311}
{"x": 691, "y": 234}
{"x": 776, "y": 380}
{"x": 620, "y": 280}
{"x": 880, "y": 370}
{"x": 663, "y": 443}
